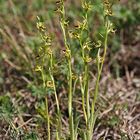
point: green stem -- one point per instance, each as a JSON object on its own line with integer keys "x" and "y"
{"x": 47, "y": 112}
{"x": 83, "y": 100}
{"x": 85, "y": 94}
{"x": 71, "y": 122}
{"x": 86, "y": 83}
{"x": 70, "y": 87}
{"x": 48, "y": 119}
{"x": 100, "y": 67}
{"x": 83, "y": 86}
{"x": 70, "y": 100}
{"x": 54, "y": 87}
{"x": 96, "y": 92}
{"x": 56, "y": 97}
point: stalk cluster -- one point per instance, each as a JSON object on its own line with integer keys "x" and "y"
{"x": 81, "y": 33}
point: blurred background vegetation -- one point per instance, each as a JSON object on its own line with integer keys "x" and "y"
{"x": 19, "y": 42}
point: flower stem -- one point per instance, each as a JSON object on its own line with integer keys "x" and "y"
{"x": 56, "y": 97}
{"x": 48, "y": 119}
{"x": 96, "y": 92}
{"x": 71, "y": 122}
